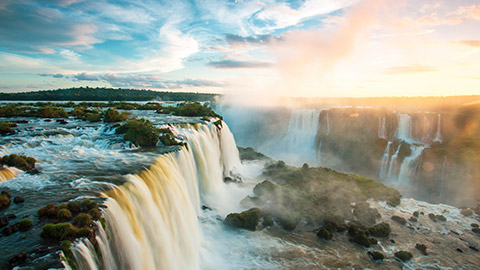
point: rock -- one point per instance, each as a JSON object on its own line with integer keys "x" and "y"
{"x": 267, "y": 220}
{"x": 432, "y": 217}
{"x": 362, "y": 239}
{"x": 415, "y": 214}
{"x": 334, "y": 224}
{"x": 249, "y": 202}
{"x": 324, "y": 234}
{"x": 246, "y": 219}
{"x": 365, "y": 214}
{"x": 4, "y": 192}
{"x": 204, "y": 207}
{"x": 4, "y": 201}
{"x": 287, "y": 221}
{"x": 459, "y": 250}
{"x": 33, "y": 171}
{"x": 380, "y": 230}
{"x": 18, "y": 259}
{"x": 422, "y": 248}
{"x": 474, "y": 225}
{"x": 9, "y": 230}
{"x": 3, "y": 222}
{"x": 476, "y": 230}
{"x": 472, "y": 247}
{"x": 441, "y": 218}
{"x": 62, "y": 121}
{"x": 400, "y": 220}
{"x": 376, "y": 256}
{"x": 25, "y": 224}
{"x": 21, "y": 121}
{"x": 404, "y": 255}
{"x": 373, "y": 241}
{"x": 18, "y": 199}
{"x": 412, "y": 219}
{"x": 466, "y": 212}
{"x": 265, "y": 188}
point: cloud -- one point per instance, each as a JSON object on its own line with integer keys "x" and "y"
{"x": 153, "y": 81}
{"x": 411, "y": 69}
{"x": 84, "y": 76}
{"x": 227, "y": 64}
{"x": 473, "y": 43}
{"x": 57, "y": 76}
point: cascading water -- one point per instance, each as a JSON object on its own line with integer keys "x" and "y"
{"x": 6, "y": 173}
{"x": 442, "y": 180}
{"x": 404, "y": 131}
{"x": 392, "y": 168}
{"x": 410, "y": 164}
{"x": 438, "y": 135}
{"x": 382, "y": 127}
{"x": 384, "y": 163}
{"x": 328, "y": 123}
{"x": 301, "y": 135}
{"x": 152, "y": 219}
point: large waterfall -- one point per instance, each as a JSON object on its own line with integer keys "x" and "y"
{"x": 152, "y": 220}
{"x": 404, "y": 131}
{"x": 410, "y": 164}
{"x": 300, "y": 137}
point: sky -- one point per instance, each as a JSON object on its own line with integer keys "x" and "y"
{"x": 323, "y": 48}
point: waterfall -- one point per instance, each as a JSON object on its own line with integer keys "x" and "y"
{"x": 384, "y": 163}
{"x": 392, "y": 169}
{"x": 442, "y": 180}
{"x": 382, "y": 127}
{"x": 7, "y": 173}
{"x": 404, "y": 131}
{"x": 328, "y": 123}
{"x": 301, "y": 135}
{"x": 438, "y": 135}
{"x": 410, "y": 164}
{"x": 152, "y": 220}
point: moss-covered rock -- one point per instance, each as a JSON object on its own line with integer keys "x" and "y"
{"x": 362, "y": 239}
{"x": 404, "y": 255}
{"x": 250, "y": 154}
{"x": 399, "y": 220}
{"x": 376, "y": 256}
{"x": 247, "y": 219}
{"x": 4, "y": 201}
{"x": 6, "y": 128}
{"x": 265, "y": 188}
{"x": 287, "y": 220}
{"x": 168, "y": 139}
{"x": 267, "y": 220}
{"x": 324, "y": 234}
{"x": 82, "y": 220}
{"x": 21, "y": 162}
{"x": 25, "y": 224}
{"x": 112, "y": 116}
{"x": 64, "y": 214}
{"x": 50, "y": 211}
{"x": 380, "y": 230}
{"x": 466, "y": 212}
{"x": 59, "y": 231}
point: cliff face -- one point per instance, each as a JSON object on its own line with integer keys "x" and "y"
{"x": 433, "y": 156}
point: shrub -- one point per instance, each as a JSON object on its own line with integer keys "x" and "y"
{"x": 87, "y": 205}
{"x": 112, "y": 116}
{"x": 25, "y": 224}
{"x": 168, "y": 139}
{"x": 21, "y": 162}
{"x": 140, "y": 132}
{"x": 324, "y": 234}
{"x": 51, "y": 112}
{"x": 95, "y": 213}
{"x": 64, "y": 214}
{"x": 82, "y": 220}
{"x": 74, "y": 207}
{"x": 84, "y": 232}
{"x": 380, "y": 230}
{"x": 93, "y": 117}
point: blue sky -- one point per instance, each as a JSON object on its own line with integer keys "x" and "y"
{"x": 222, "y": 46}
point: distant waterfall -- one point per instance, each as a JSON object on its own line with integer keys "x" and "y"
{"x": 384, "y": 163}
{"x": 301, "y": 135}
{"x": 328, "y": 123}
{"x": 410, "y": 164}
{"x": 382, "y": 127}
{"x": 438, "y": 135}
{"x": 404, "y": 131}
{"x": 152, "y": 219}
{"x": 442, "y": 180}
{"x": 392, "y": 168}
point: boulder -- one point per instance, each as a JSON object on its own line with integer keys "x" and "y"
{"x": 422, "y": 248}
{"x": 380, "y": 230}
{"x": 18, "y": 259}
{"x": 365, "y": 214}
{"x": 404, "y": 255}
{"x": 324, "y": 234}
{"x": 376, "y": 256}
{"x": 18, "y": 199}
{"x": 400, "y": 220}
{"x": 247, "y": 219}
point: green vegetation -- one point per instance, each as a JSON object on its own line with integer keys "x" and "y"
{"x": 64, "y": 214}
{"x": 51, "y": 112}
{"x": 246, "y": 219}
{"x": 190, "y": 109}
{"x": 140, "y": 132}
{"x": 113, "y": 116}
{"x": 25, "y": 224}
{"x": 6, "y": 128}
{"x": 106, "y": 94}
{"x": 21, "y": 162}
{"x": 168, "y": 139}
{"x": 324, "y": 234}
{"x": 376, "y": 256}
{"x": 82, "y": 220}
{"x": 380, "y": 230}
{"x": 59, "y": 231}
{"x": 250, "y": 154}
